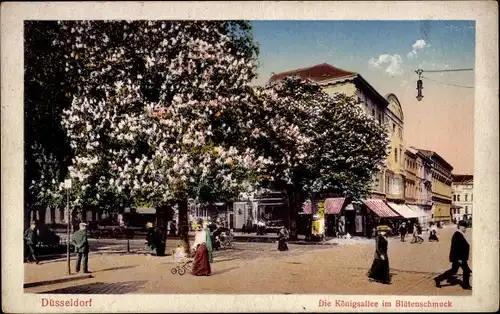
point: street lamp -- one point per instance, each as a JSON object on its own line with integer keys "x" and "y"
{"x": 67, "y": 186}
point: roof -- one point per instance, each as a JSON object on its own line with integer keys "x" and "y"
{"x": 317, "y": 73}
{"x": 435, "y": 156}
{"x": 463, "y": 178}
{"x": 326, "y": 73}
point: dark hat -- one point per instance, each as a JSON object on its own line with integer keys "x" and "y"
{"x": 462, "y": 223}
{"x": 33, "y": 223}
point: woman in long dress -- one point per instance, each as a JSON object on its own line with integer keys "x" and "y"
{"x": 379, "y": 271}
{"x": 282, "y": 238}
{"x": 203, "y": 255}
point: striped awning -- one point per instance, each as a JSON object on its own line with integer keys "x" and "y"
{"x": 306, "y": 208}
{"x": 334, "y": 205}
{"x": 403, "y": 210}
{"x": 380, "y": 208}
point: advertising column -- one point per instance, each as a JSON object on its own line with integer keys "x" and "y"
{"x": 318, "y": 221}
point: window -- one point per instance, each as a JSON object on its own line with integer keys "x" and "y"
{"x": 458, "y": 198}
{"x": 393, "y": 127}
{"x": 466, "y": 210}
{"x": 466, "y": 196}
{"x": 401, "y": 154}
{"x": 373, "y": 113}
{"x": 454, "y": 198}
{"x": 471, "y": 197}
{"x": 396, "y": 154}
{"x": 400, "y": 133}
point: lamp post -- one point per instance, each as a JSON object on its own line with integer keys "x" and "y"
{"x": 67, "y": 186}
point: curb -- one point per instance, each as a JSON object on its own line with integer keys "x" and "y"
{"x": 54, "y": 281}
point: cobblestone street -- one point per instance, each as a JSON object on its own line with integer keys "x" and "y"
{"x": 260, "y": 268}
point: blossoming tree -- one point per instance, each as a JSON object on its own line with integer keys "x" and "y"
{"x": 315, "y": 143}
{"x": 157, "y": 113}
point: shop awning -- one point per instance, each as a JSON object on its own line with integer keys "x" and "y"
{"x": 306, "y": 209}
{"x": 334, "y": 205}
{"x": 403, "y": 210}
{"x": 420, "y": 212}
{"x": 380, "y": 208}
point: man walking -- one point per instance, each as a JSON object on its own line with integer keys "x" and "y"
{"x": 81, "y": 244}
{"x": 459, "y": 255}
{"x": 402, "y": 231}
{"x": 30, "y": 237}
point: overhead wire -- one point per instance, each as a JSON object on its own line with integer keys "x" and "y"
{"x": 444, "y": 83}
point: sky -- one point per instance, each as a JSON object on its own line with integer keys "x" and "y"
{"x": 386, "y": 54}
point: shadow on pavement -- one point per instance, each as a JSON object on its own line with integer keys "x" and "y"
{"x": 101, "y": 288}
{"x": 223, "y": 271}
{"x": 114, "y": 268}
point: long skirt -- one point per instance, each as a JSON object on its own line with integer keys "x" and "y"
{"x": 282, "y": 246}
{"x": 380, "y": 271}
{"x": 201, "y": 263}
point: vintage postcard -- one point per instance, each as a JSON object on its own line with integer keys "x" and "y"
{"x": 250, "y": 156}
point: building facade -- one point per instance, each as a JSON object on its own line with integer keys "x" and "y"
{"x": 338, "y": 81}
{"x": 395, "y": 171}
{"x": 412, "y": 181}
{"x": 424, "y": 176}
{"x": 441, "y": 187}
{"x": 463, "y": 196}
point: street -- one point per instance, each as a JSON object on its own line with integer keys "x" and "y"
{"x": 260, "y": 268}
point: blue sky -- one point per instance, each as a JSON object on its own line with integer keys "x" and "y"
{"x": 386, "y": 54}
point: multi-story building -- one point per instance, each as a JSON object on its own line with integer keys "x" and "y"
{"x": 441, "y": 186}
{"x": 334, "y": 81}
{"x": 412, "y": 181}
{"x": 424, "y": 176}
{"x": 463, "y": 196}
{"x": 394, "y": 173}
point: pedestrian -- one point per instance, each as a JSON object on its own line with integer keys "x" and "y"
{"x": 379, "y": 271}
{"x": 81, "y": 244}
{"x": 282, "y": 239}
{"x": 459, "y": 255}
{"x": 155, "y": 239}
{"x": 31, "y": 239}
{"x": 433, "y": 234}
{"x": 402, "y": 231}
{"x": 415, "y": 236}
{"x": 419, "y": 233}
{"x": 202, "y": 247}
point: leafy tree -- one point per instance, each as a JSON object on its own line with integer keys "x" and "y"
{"x": 47, "y": 91}
{"x": 314, "y": 143}
{"x": 156, "y": 115}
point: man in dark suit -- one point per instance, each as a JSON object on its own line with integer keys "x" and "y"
{"x": 81, "y": 244}
{"x": 459, "y": 254}
{"x": 31, "y": 239}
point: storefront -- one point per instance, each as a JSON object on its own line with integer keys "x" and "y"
{"x": 333, "y": 208}
{"x": 378, "y": 213}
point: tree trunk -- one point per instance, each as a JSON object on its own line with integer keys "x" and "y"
{"x": 184, "y": 224}
{"x": 161, "y": 222}
{"x": 291, "y": 219}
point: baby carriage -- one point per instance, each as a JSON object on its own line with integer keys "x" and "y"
{"x": 184, "y": 262}
{"x": 226, "y": 240}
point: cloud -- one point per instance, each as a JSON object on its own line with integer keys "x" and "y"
{"x": 404, "y": 83}
{"x": 391, "y": 63}
{"x": 418, "y": 45}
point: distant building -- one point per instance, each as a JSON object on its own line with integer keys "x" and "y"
{"x": 441, "y": 186}
{"x": 412, "y": 181}
{"x": 463, "y": 196}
